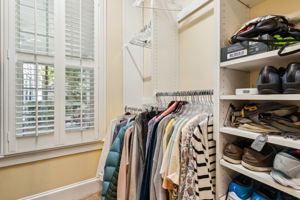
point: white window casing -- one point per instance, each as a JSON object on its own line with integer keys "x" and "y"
{"x": 53, "y": 54}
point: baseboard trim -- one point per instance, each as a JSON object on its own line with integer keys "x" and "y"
{"x": 74, "y": 191}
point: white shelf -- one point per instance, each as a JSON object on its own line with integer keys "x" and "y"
{"x": 251, "y": 3}
{"x": 262, "y": 177}
{"x": 190, "y": 9}
{"x": 278, "y": 140}
{"x": 256, "y": 62}
{"x": 277, "y": 97}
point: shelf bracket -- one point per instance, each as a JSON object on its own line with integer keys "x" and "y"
{"x": 136, "y": 65}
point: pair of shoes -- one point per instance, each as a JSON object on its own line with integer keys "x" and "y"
{"x": 277, "y": 81}
{"x": 245, "y": 188}
{"x": 286, "y": 168}
{"x": 240, "y": 152}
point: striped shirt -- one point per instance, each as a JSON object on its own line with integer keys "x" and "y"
{"x": 204, "y": 160}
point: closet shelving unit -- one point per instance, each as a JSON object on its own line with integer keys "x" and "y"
{"x": 238, "y": 73}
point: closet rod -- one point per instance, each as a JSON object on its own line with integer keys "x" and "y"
{"x": 185, "y": 93}
{"x": 134, "y": 109}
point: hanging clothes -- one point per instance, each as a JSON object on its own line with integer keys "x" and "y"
{"x": 165, "y": 156}
{"x": 138, "y": 152}
{"x": 111, "y": 170}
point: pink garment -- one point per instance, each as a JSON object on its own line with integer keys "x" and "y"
{"x": 122, "y": 178}
{"x": 166, "y": 112}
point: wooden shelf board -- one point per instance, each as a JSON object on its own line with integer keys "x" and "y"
{"x": 278, "y": 140}
{"x": 256, "y": 62}
{"x": 260, "y": 176}
{"x": 277, "y": 97}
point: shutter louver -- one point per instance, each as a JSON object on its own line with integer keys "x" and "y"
{"x": 80, "y": 28}
{"x": 87, "y": 29}
{"x": 35, "y": 26}
{"x": 73, "y": 28}
{"x": 34, "y": 99}
{"x": 79, "y": 106}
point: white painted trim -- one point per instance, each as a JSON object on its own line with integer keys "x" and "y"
{"x": 190, "y": 9}
{"x": 33, "y": 156}
{"x": 74, "y": 191}
{"x": 103, "y": 66}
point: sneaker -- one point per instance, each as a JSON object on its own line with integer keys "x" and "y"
{"x": 286, "y": 168}
{"x": 269, "y": 81}
{"x": 259, "y": 161}
{"x": 264, "y": 192}
{"x": 233, "y": 152}
{"x": 241, "y": 188}
{"x": 291, "y": 79}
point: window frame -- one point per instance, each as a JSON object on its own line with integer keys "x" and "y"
{"x": 8, "y": 61}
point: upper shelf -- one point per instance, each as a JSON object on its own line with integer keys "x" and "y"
{"x": 251, "y": 3}
{"x": 191, "y": 8}
{"x": 272, "y": 97}
{"x": 255, "y": 62}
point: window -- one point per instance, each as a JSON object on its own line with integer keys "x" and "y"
{"x": 53, "y": 71}
{"x": 34, "y": 99}
{"x": 79, "y": 99}
{"x": 35, "y": 26}
{"x": 80, "y": 90}
{"x": 80, "y": 28}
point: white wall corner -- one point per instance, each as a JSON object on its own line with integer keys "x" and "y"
{"x": 74, "y": 191}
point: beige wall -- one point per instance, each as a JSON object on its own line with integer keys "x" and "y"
{"x": 197, "y": 50}
{"x": 114, "y": 59}
{"x": 28, "y": 179}
{"x": 196, "y": 72}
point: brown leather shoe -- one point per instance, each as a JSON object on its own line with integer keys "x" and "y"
{"x": 259, "y": 161}
{"x": 233, "y": 152}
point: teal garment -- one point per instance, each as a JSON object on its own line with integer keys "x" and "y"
{"x": 112, "y": 164}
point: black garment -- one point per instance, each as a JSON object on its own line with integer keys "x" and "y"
{"x": 141, "y": 122}
{"x": 117, "y": 129}
{"x": 145, "y": 185}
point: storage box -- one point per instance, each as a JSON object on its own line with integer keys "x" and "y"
{"x": 243, "y": 49}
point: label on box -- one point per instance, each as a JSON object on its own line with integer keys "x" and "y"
{"x": 237, "y": 54}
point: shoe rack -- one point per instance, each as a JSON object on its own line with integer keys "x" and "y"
{"x": 242, "y": 73}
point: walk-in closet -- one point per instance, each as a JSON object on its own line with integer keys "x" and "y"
{"x": 150, "y": 99}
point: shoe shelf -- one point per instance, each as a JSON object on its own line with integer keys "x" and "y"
{"x": 255, "y": 62}
{"x": 278, "y": 140}
{"x": 263, "y": 177}
{"x": 242, "y": 73}
{"x": 277, "y": 97}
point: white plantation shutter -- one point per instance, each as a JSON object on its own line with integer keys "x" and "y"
{"x": 80, "y": 28}
{"x": 50, "y": 61}
{"x": 87, "y": 29}
{"x": 34, "y": 95}
{"x": 79, "y": 108}
{"x": 79, "y": 81}
{"x": 34, "y": 99}
{"x": 35, "y": 26}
